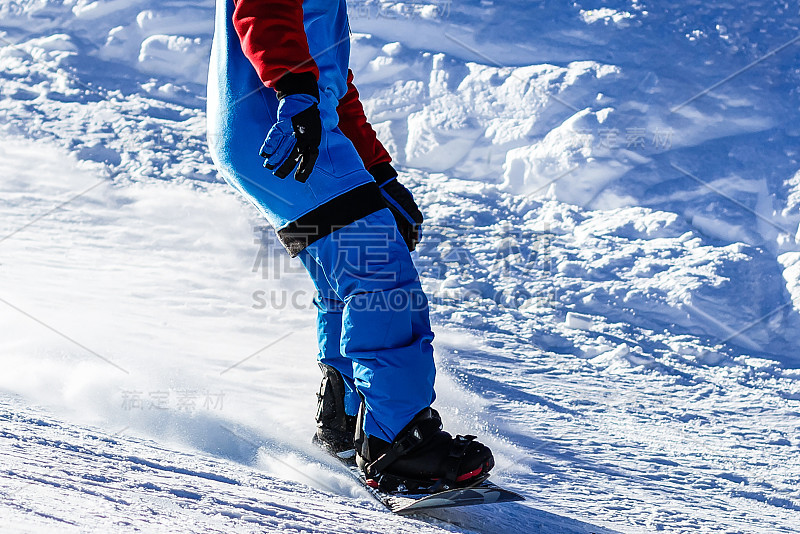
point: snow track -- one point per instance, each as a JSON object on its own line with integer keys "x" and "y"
{"x": 71, "y": 479}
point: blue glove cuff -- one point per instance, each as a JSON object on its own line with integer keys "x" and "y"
{"x": 291, "y": 105}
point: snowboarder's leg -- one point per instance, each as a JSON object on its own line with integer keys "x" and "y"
{"x": 330, "y": 309}
{"x": 386, "y": 329}
{"x": 386, "y": 333}
{"x": 337, "y": 399}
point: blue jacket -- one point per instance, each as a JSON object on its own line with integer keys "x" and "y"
{"x": 241, "y": 109}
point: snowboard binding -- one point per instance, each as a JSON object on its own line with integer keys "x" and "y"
{"x": 335, "y": 429}
{"x": 388, "y": 483}
{"x": 423, "y": 458}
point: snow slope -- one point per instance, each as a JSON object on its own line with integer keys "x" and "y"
{"x": 146, "y": 323}
{"x": 612, "y": 197}
{"x": 59, "y": 477}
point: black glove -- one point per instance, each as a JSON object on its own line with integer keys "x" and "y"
{"x": 401, "y": 202}
{"x": 295, "y": 138}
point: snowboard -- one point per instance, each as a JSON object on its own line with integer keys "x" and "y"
{"x": 482, "y": 492}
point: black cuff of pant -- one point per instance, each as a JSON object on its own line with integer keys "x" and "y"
{"x": 295, "y": 83}
{"x": 382, "y": 172}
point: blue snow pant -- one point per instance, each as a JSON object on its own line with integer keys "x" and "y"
{"x": 373, "y": 324}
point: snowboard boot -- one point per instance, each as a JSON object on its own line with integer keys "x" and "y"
{"x": 422, "y": 458}
{"x": 335, "y": 429}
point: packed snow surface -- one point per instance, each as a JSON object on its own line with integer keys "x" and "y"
{"x": 612, "y": 194}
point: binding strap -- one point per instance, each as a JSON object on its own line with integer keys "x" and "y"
{"x": 457, "y": 449}
{"x": 410, "y": 441}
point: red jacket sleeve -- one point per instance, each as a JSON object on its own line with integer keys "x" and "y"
{"x": 273, "y": 37}
{"x": 354, "y": 125}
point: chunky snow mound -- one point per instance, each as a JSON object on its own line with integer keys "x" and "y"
{"x": 612, "y": 193}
